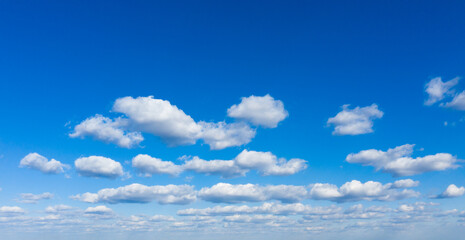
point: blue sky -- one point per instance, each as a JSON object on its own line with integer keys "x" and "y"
{"x": 253, "y": 84}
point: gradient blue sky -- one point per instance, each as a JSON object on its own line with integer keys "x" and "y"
{"x": 62, "y": 62}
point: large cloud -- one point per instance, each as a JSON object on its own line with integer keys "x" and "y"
{"x": 261, "y": 111}
{"x": 437, "y": 89}
{"x": 398, "y": 161}
{"x": 38, "y": 162}
{"x": 138, "y": 193}
{"x": 355, "y": 121}
{"x": 97, "y": 166}
{"x": 165, "y": 120}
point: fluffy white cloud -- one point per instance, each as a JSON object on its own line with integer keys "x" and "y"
{"x": 268, "y": 164}
{"x": 107, "y": 130}
{"x": 261, "y": 111}
{"x": 357, "y": 191}
{"x": 437, "y": 89}
{"x": 222, "y": 135}
{"x": 225, "y": 168}
{"x": 58, "y": 208}
{"x": 452, "y": 191}
{"x": 355, "y": 121}
{"x": 405, "y": 183}
{"x": 398, "y": 161}
{"x": 38, "y": 162}
{"x": 34, "y": 198}
{"x": 264, "y": 162}
{"x": 148, "y": 165}
{"x": 99, "y": 210}
{"x": 97, "y": 166}
{"x": 138, "y": 193}
{"x": 228, "y": 193}
{"x": 161, "y": 118}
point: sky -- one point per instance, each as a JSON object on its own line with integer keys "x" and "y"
{"x": 232, "y": 119}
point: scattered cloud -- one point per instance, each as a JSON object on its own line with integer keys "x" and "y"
{"x": 138, "y": 193}
{"x": 34, "y": 198}
{"x": 38, "y": 162}
{"x": 11, "y": 210}
{"x": 165, "y": 120}
{"x": 437, "y": 89}
{"x": 458, "y": 102}
{"x": 260, "y": 111}
{"x": 97, "y": 166}
{"x": 355, "y": 121}
{"x": 99, "y": 212}
{"x": 452, "y": 191}
{"x": 398, "y": 161}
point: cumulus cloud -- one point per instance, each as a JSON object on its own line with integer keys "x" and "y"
{"x": 398, "y": 161}
{"x": 228, "y": 193}
{"x": 264, "y": 162}
{"x": 38, "y": 162}
{"x": 58, "y": 208}
{"x": 99, "y": 210}
{"x": 34, "y": 198}
{"x": 458, "y": 102}
{"x": 97, "y": 166}
{"x": 107, "y": 130}
{"x": 148, "y": 165}
{"x": 437, "y": 89}
{"x": 261, "y": 111}
{"x": 452, "y": 191}
{"x": 355, "y": 121}
{"x": 138, "y": 193}
{"x": 405, "y": 183}
{"x": 223, "y": 135}
{"x": 357, "y": 191}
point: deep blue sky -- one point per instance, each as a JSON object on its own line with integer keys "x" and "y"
{"x": 64, "y": 61}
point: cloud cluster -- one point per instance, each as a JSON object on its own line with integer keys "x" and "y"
{"x": 138, "y": 193}
{"x": 265, "y": 163}
{"x": 398, "y": 161}
{"x": 439, "y": 91}
{"x": 239, "y": 193}
{"x": 97, "y": 166}
{"x": 161, "y": 118}
{"x": 34, "y": 198}
{"x": 355, "y": 121}
{"x": 41, "y": 163}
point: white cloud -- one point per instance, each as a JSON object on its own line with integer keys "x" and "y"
{"x": 357, "y": 191}
{"x": 458, "y": 102}
{"x": 264, "y": 162}
{"x": 11, "y": 210}
{"x": 405, "y": 183}
{"x": 99, "y": 210}
{"x": 58, "y": 208}
{"x": 225, "y": 168}
{"x": 268, "y": 164}
{"x": 138, "y": 193}
{"x": 452, "y": 191}
{"x": 355, "y": 121}
{"x": 222, "y": 135}
{"x": 148, "y": 165}
{"x": 398, "y": 161}
{"x": 265, "y": 208}
{"x": 38, "y": 162}
{"x": 107, "y": 130}
{"x": 437, "y": 89}
{"x": 228, "y": 193}
{"x": 34, "y": 198}
{"x": 97, "y": 166}
{"x": 261, "y": 111}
